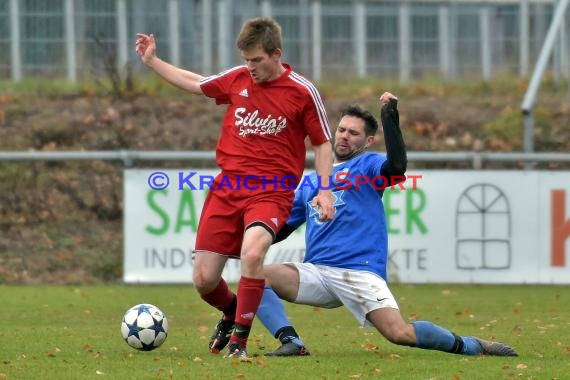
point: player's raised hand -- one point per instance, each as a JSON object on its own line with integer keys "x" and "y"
{"x": 145, "y": 46}
{"x": 387, "y": 98}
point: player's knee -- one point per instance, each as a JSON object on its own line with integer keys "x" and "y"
{"x": 252, "y": 259}
{"x": 202, "y": 283}
{"x": 401, "y": 336}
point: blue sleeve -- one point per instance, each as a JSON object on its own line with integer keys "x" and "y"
{"x": 375, "y": 169}
{"x": 299, "y": 210}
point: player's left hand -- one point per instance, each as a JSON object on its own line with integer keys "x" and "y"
{"x": 323, "y": 202}
{"x": 387, "y": 98}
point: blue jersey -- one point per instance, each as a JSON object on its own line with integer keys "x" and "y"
{"x": 357, "y": 236}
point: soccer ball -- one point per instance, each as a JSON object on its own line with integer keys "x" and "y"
{"x": 144, "y": 327}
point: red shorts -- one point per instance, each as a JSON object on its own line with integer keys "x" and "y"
{"x": 227, "y": 213}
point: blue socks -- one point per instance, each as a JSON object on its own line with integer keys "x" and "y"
{"x": 271, "y": 313}
{"x": 471, "y": 346}
{"x": 430, "y": 336}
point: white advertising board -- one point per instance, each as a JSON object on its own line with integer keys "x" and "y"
{"x": 454, "y": 227}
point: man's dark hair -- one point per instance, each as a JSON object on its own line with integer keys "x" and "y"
{"x": 370, "y": 122}
{"x": 262, "y": 31}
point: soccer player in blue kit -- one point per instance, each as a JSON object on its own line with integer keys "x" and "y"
{"x": 345, "y": 259}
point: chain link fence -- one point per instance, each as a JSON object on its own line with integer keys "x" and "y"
{"x": 405, "y": 40}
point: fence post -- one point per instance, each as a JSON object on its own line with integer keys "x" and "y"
{"x": 534, "y": 85}
{"x": 317, "y": 39}
{"x": 565, "y": 65}
{"x": 486, "y": 48}
{"x": 359, "y": 39}
{"x": 224, "y": 45}
{"x": 70, "y": 45}
{"x": 524, "y": 38}
{"x": 122, "y": 38}
{"x": 405, "y": 45}
{"x": 444, "y": 41}
{"x": 207, "y": 37}
{"x": 15, "y": 41}
{"x": 174, "y": 30}
{"x": 305, "y": 44}
{"x": 266, "y": 8}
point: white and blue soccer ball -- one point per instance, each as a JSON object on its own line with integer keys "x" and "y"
{"x": 144, "y": 327}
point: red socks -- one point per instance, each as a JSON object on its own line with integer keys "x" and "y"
{"x": 250, "y": 291}
{"x": 223, "y": 299}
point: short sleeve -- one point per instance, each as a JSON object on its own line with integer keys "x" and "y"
{"x": 218, "y": 86}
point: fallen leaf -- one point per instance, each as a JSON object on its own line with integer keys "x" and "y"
{"x": 517, "y": 330}
{"x": 521, "y": 366}
{"x": 99, "y": 372}
{"x": 370, "y": 347}
{"x": 262, "y": 362}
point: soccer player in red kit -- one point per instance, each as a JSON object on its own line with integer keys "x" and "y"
{"x": 261, "y": 153}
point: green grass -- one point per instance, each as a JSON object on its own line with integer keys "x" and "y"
{"x": 74, "y": 333}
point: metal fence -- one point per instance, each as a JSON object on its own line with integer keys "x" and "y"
{"x": 409, "y": 40}
{"x": 466, "y": 159}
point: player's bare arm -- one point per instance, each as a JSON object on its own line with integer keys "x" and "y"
{"x": 323, "y": 166}
{"x": 145, "y": 46}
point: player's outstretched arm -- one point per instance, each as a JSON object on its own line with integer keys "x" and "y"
{"x": 145, "y": 46}
{"x": 396, "y": 157}
{"x": 323, "y": 167}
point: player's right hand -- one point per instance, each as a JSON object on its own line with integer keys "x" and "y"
{"x": 323, "y": 203}
{"x": 145, "y": 46}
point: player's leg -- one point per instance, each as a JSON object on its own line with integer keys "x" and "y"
{"x": 256, "y": 242}
{"x": 213, "y": 289}
{"x": 368, "y": 298}
{"x": 301, "y": 283}
{"x": 429, "y": 336}
{"x": 219, "y": 237}
{"x": 271, "y": 312}
{"x": 283, "y": 279}
{"x": 433, "y": 337}
{"x": 264, "y": 214}
{"x": 421, "y": 334}
{"x": 389, "y": 322}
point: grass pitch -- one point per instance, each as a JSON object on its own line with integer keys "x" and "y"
{"x": 74, "y": 333}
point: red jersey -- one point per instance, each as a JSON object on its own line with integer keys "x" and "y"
{"x": 265, "y": 125}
